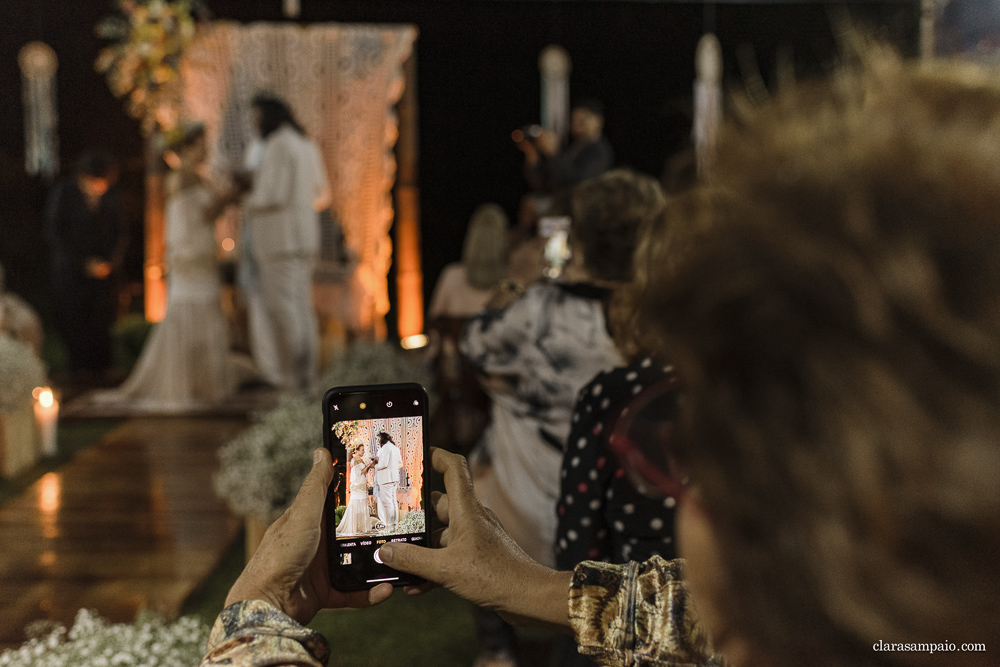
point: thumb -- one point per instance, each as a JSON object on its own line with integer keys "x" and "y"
{"x": 309, "y": 503}
{"x": 412, "y": 559}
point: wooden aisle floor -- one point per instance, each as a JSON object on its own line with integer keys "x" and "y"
{"x": 132, "y": 522}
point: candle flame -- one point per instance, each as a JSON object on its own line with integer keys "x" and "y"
{"x": 45, "y": 397}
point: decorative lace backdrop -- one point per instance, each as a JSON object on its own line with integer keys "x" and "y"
{"x": 342, "y": 82}
{"x": 407, "y": 433}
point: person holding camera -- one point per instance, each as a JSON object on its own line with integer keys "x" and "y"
{"x": 550, "y": 168}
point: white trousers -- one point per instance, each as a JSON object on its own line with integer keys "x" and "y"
{"x": 284, "y": 336}
{"x": 388, "y": 507}
{"x": 263, "y": 344}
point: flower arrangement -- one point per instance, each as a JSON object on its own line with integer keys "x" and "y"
{"x": 263, "y": 467}
{"x": 411, "y": 522}
{"x": 21, "y": 371}
{"x": 346, "y": 430}
{"x": 144, "y": 62}
{"x": 93, "y": 642}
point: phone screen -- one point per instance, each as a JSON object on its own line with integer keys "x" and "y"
{"x": 555, "y": 231}
{"x": 376, "y": 436}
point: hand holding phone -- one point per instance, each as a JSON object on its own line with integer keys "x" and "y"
{"x": 478, "y": 560}
{"x": 289, "y": 568}
{"x": 376, "y": 434}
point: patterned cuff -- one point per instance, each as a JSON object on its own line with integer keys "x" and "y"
{"x": 254, "y": 632}
{"x": 636, "y": 614}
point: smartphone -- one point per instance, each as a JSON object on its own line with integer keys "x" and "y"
{"x": 555, "y": 231}
{"x": 377, "y": 436}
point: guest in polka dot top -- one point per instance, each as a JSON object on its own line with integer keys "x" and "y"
{"x": 601, "y": 514}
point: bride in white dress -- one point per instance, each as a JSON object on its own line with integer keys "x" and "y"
{"x": 185, "y": 365}
{"x": 357, "y": 519}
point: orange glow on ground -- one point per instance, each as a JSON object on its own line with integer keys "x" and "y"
{"x": 49, "y": 498}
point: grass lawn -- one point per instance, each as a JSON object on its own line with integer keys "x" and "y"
{"x": 432, "y": 629}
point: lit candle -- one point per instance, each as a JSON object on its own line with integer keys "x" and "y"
{"x": 47, "y": 414}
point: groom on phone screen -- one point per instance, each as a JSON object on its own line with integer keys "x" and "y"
{"x": 387, "y": 466}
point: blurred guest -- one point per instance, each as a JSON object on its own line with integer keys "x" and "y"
{"x": 463, "y": 290}
{"x": 537, "y": 346}
{"x": 289, "y": 189}
{"x": 603, "y": 516}
{"x": 550, "y": 168}
{"x": 18, "y": 319}
{"x": 185, "y": 364}
{"x": 88, "y": 236}
{"x": 464, "y": 287}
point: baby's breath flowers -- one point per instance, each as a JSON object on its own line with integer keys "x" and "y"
{"x": 93, "y": 642}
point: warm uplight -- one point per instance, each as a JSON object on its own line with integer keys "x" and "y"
{"x": 228, "y": 245}
{"x": 45, "y": 398}
{"x": 414, "y": 342}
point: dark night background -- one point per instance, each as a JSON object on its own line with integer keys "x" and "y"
{"x": 477, "y": 81}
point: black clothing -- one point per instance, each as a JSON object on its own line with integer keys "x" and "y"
{"x": 577, "y": 162}
{"x": 601, "y": 515}
{"x": 85, "y": 307}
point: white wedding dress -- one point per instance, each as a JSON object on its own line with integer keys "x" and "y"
{"x": 356, "y": 520}
{"x": 185, "y": 364}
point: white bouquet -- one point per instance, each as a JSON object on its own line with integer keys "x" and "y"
{"x": 93, "y": 642}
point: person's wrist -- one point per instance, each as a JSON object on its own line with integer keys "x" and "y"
{"x": 543, "y": 596}
{"x": 246, "y": 589}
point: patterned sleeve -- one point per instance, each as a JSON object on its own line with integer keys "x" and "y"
{"x": 637, "y": 614}
{"x": 494, "y": 340}
{"x": 253, "y": 633}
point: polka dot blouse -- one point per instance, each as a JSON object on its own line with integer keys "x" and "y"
{"x": 601, "y": 515}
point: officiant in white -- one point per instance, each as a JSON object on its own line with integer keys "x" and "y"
{"x": 388, "y": 462}
{"x": 289, "y": 188}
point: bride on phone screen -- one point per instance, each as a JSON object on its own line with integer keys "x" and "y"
{"x": 357, "y": 519}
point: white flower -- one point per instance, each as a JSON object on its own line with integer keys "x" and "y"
{"x": 411, "y": 522}
{"x": 92, "y": 642}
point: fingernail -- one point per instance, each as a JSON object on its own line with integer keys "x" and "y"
{"x": 317, "y": 456}
{"x": 385, "y": 553}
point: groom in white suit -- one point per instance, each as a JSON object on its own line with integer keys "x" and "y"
{"x": 289, "y": 188}
{"x": 387, "y": 466}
